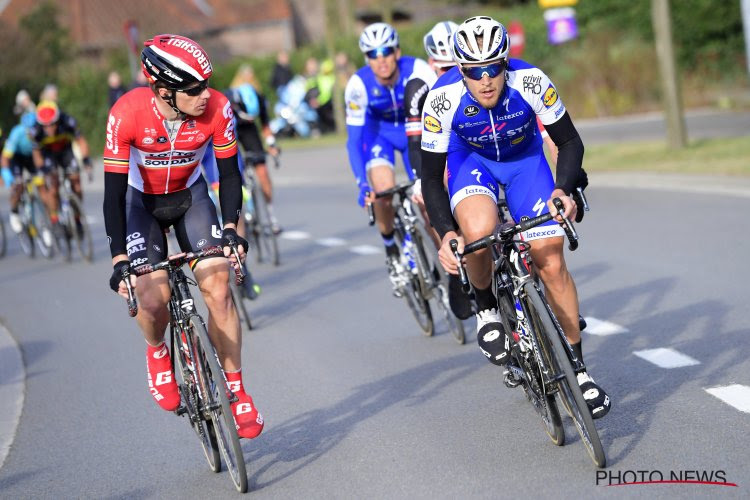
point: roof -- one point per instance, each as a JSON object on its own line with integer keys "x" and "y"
{"x": 96, "y": 24}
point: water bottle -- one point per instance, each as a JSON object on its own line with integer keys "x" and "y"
{"x": 408, "y": 252}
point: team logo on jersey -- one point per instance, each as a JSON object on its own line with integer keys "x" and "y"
{"x": 440, "y": 104}
{"x": 471, "y": 110}
{"x": 550, "y": 96}
{"x": 354, "y": 106}
{"x": 519, "y": 139}
{"x": 161, "y": 140}
{"x": 533, "y": 84}
{"x": 376, "y": 92}
{"x": 432, "y": 124}
{"x": 191, "y": 124}
{"x": 148, "y": 140}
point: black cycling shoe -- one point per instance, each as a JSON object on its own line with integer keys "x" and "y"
{"x": 459, "y": 301}
{"x": 581, "y": 323}
{"x": 596, "y": 399}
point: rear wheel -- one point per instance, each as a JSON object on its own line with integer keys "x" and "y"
{"x": 549, "y": 335}
{"x": 219, "y": 406}
{"x": 182, "y": 346}
{"x": 80, "y": 229}
{"x": 42, "y": 229}
{"x": 414, "y": 293}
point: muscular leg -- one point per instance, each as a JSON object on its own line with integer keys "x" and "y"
{"x": 560, "y": 289}
{"x": 381, "y": 177}
{"x": 223, "y": 323}
{"x": 261, "y": 171}
{"x": 477, "y": 217}
{"x": 153, "y": 316}
{"x": 75, "y": 184}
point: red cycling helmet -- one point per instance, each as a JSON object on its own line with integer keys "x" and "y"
{"x": 176, "y": 61}
{"x": 47, "y": 113}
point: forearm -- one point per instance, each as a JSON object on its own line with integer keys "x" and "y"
{"x": 354, "y": 148}
{"x": 435, "y": 198}
{"x": 230, "y": 190}
{"x": 415, "y": 154}
{"x": 115, "y": 189}
{"x": 569, "y": 155}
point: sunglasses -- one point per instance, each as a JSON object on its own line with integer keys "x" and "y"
{"x": 478, "y": 72}
{"x": 196, "y": 91}
{"x": 381, "y": 51}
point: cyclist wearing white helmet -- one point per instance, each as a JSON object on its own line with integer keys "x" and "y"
{"x": 375, "y": 119}
{"x": 440, "y": 58}
{"x": 482, "y": 120}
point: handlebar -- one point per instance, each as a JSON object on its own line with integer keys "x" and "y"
{"x": 397, "y": 189}
{"x": 174, "y": 262}
{"x": 505, "y": 232}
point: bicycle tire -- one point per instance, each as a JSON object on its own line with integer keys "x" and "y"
{"x": 266, "y": 237}
{"x": 26, "y": 236}
{"x": 83, "y": 238}
{"x": 221, "y": 412}
{"x": 544, "y": 403}
{"x": 3, "y": 242}
{"x": 239, "y": 302}
{"x": 455, "y": 325}
{"x": 40, "y": 222}
{"x": 415, "y": 299}
{"x": 189, "y": 393}
{"x": 569, "y": 390}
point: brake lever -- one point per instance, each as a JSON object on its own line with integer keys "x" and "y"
{"x": 465, "y": 285}
{"x": 371, "y": 214}
{"x": 132, "y": 301}
{"x": 570, "y": 230}
{"x": 239, "y": 274}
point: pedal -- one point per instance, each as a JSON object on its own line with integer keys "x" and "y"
{"x": 181, "y": 410}
{"x": 512, "y": 376}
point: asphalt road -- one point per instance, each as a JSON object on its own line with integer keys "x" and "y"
{"x": 358, "y": 404}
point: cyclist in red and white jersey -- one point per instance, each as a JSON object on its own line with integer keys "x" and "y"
{"x": 156, "y": 137}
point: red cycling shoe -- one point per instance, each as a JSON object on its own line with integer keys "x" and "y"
{"x": 247, "y": 418}
{"x": 161, "y": 383}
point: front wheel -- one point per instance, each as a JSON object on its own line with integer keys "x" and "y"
{"x": 3, "y": 244}
{"x": 219, "y": 407}
{"x": 42, "y": 232}
{"x": 570, "y": 391}
{"x": 80, "y": 229}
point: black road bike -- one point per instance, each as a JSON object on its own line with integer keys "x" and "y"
{"x": 259, "y": 230}
{"x": 74, "y": 223}
{"x": 542, "y": 360}
{"x": 419, "y": 282}
{"x": 204, "y": 392}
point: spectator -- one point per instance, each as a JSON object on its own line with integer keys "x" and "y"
{"x": 282, "y": 72}
{"x": 116, "y": 88}
{"x": 320, "y": 93}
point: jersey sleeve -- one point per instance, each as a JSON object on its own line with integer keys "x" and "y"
{"x": 72, "y": 125}
{"x": 355, "y": 97}
{"x": 11, "y": 145}
{"x": 118, "y": 139}
{"x": 541, "y": 94}
{"x": 225, "y": 142}
{"x": 437, "y": 118}
{"x": 414, "y": 96}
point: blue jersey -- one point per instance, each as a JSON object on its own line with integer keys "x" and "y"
{"x": 19, "y": 142}
{"x": 375, "y": 115}
{"x": 499, "y": 148}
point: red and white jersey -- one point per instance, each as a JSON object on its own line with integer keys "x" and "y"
{"x": 138, "y": 143}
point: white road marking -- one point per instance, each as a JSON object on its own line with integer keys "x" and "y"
{"x": 92, "y": 220}
{"x": 12, "y": 384}
{"x": 734, "y": 395}
{"x": 665, "y": 357}
{"x": 601, "y": 327}
{"x": 366, "y": 250}
{"x": 331, "y": 242}
{"x": 295, "y": 235}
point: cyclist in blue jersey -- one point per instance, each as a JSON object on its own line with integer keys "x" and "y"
{"x": 481, "y": 119}
{"x": 374, "y": 99}
{"x": 16, "y": 157}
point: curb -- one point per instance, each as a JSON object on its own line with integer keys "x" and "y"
{"x": 12, "y": 389}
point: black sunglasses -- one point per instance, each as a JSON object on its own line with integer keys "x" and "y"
{"x": 478, "y": 72}
{"x": 197, "y": 90}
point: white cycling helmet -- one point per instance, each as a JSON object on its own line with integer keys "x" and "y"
{"x": 376, "y": 36}
{"x": 495, "y": 44}
{"x": 437, "y": 43}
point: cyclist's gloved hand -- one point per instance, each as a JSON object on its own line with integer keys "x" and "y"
{"x": 7, "y": 176}
{"x": 116, "y": 278}
{"x": 229, "y": 236}
{"x": 364, "y": 190}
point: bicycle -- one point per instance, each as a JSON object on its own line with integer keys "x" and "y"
{"x": 73, "y": 221}
{"x": 419, "y": 281}
{"x": 542, "y": 360}
{"x": 37, "y": 228}
{"x": 3, "y": 242}
{"x": 259, "y": 230}
{"x": 205, "y": 394}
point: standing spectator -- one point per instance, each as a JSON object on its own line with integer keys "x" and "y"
{"x": 282, "y": 72}
{"x": 116, "y": 88}
{"x": 24, "y": 103}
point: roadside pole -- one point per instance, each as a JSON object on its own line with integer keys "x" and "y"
{"x": 676, "y": 135}
{"x": 332, "y": 21}
{"x": 745, "y": 9}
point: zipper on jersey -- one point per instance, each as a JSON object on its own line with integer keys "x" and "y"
{"x": 172, "y": 141}
{"x": 494, "y": 135}
{"x": 395, "y": 106}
